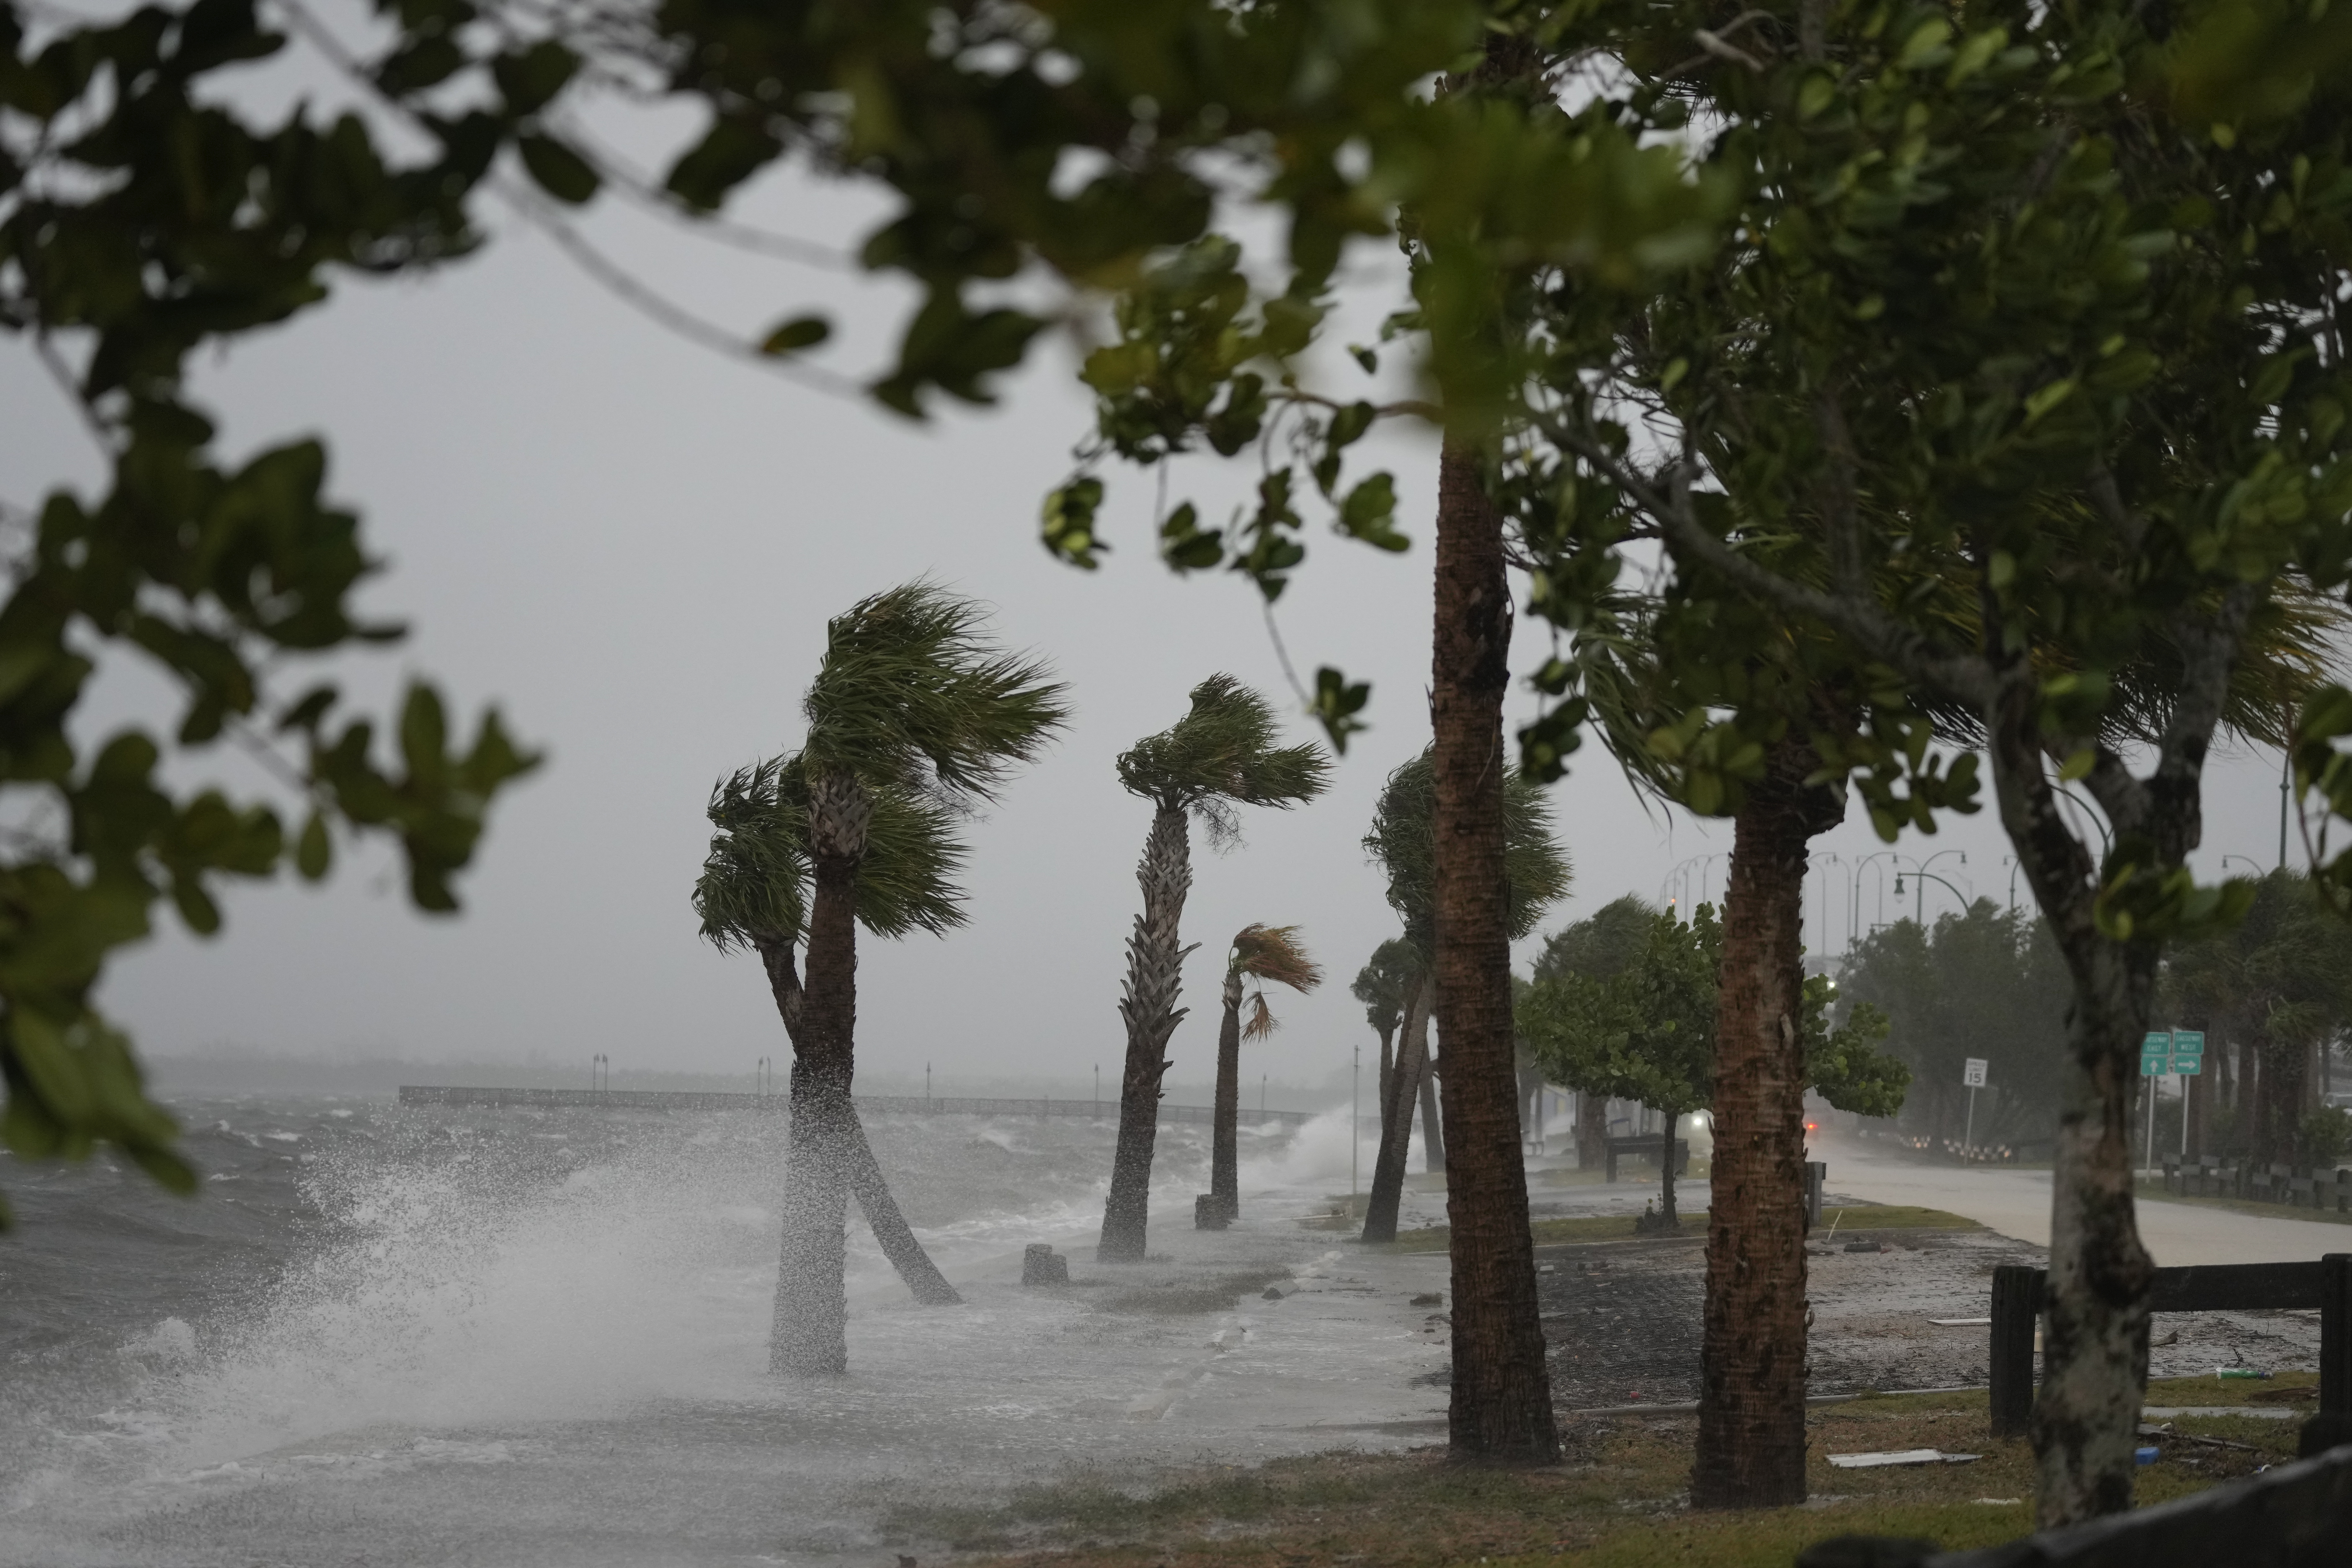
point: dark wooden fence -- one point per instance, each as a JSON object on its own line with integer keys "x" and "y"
{"x": 2289, "y": 1516}
{"x": 2018, "y": 1298}
{"x": 2320, "y": 1186}
{"x": 664, "y": 1100}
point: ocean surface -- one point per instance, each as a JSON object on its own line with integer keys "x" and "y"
{"x": 390, "y": 1335}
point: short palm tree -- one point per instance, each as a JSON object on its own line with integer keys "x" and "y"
{"x": 1387, "y": 986}
{"x": 1536, "y": 875}
{"x": 1220, "y": 755}
{"x": 1268, "y": 955}
{"x": 913, "y": 701}
{"x": 753, "y": 896}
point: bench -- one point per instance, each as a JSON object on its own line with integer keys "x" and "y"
{"x": 1650, "y": 1146}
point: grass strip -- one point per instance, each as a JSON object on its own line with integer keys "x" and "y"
{"x": 1619, "y": 1501}
{"x": 1852, "y": 1224}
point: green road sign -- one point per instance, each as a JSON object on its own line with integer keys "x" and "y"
{"x": 2186, "y": 1043}
{"x": 2158, "y": 1043}
{"x": 2187, "y": 1066}
{"x": 2163, "y": 1051}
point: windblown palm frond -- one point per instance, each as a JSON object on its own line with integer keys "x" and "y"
{"x": 914, "y": 693}
{"x": 1274, "y": 954}
{"x": 754, "y": 886}
{"x": 1381, "y": 985}
{"x": 1261, "y": 1021}
{"x": 1403, "y": 840}
{"x": 1222, "y": 753}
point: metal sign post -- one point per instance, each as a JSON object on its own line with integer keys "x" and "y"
{"x": 1972, "y": 1074}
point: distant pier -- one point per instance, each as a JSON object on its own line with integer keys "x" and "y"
{"x": 669, "y": 1099}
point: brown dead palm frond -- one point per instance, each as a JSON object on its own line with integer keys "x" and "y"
{"x": 1274, "y": 954}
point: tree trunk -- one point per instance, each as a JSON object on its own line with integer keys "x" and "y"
{"x": 810, "y": 1331}
{"x": 1592, "y": 1130}
{"x": 1501, "y": 1405}
{"x": 1224, "y": 1137}
{"x": 915, "y": 1268}
{"x": 2095, "y": 1351}
{"x": 1388, "y": 1068}
{"x": 1433, "y": 1129}
{"x": 1396, "y": 1115}
{"x": 1751, "y": 1421}
{"x": 1155, "y": 974}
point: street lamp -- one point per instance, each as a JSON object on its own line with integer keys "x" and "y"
{"x": 1853, "y": 904}
{"x": 2226, "y": 858}
{"x": 1825, "y": 855}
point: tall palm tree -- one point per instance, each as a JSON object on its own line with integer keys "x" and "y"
{"x": 1403, "y": 840}
{"x": 1268, "y": 956}
{"x": 912, "y": 697}
{"x": 753, "y": 896}
{"x": 1220, "y": 754}
{"x": 1384, "y": 987}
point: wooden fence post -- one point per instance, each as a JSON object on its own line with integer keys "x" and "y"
{"x": 2016, "y": 1310}
{"x": 2336, "y": 1334}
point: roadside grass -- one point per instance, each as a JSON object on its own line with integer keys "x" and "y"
{"x": 1620, "y": 1501}
{"x": 2153, "y": 1193}
{"x": 1848, "y": 1222}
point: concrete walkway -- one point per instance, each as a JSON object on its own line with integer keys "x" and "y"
{"x": 2017, "y": 1203}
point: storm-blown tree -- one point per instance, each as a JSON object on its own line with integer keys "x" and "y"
{"x": 1642, "y": 1024}
{"x": 1600, "y": 945}
{"x": 2025, "y": 379}
{"x": 1986, "y": 983}
{"x": 1387, "y": 986}
{"x": 1403, "y": 843}
{"x": 912, "y": 700}
{"x": 1221, "y": 754}
{"x": 1266, "y": 955}
{"x": 2277, "y": 987}
{"x": 753, "y": 896}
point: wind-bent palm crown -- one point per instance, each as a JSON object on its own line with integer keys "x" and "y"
{"x": 1381, "y": 985}
{"x": 1221, "y": 754}
{"x": 1403, "y": 839}
{"x": 754, "y": 888}
{"x": 1270, "y": 954}
{"x": 913, "y": 694}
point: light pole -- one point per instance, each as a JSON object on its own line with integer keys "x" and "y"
{"x": 1826, "y": 854}
{"x": 1854, "y": 904}
{"x": 1355, "y": 1116}
{"x": 2226, "y": 858}
{"x": 1919, "y": 871}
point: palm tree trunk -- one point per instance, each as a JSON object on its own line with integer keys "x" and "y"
{"x": 1752, "y": 1432}
{"x": 1396, "y": 1114}
{"x": 1155, "y": 972}
{"x": 811, "y": 1333}
{"x": 1501, "y": 1405}
{"x": 1388, "y": 1068}
{"x": 1666, "y": 1176}
{"x": 1433, "y": 1129}
{"x": 872, "y": 1189}
{"x": 1224, "y": 1139}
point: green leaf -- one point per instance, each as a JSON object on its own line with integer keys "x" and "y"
{"x": 557, "y": 169}
{"x": 797, "y": 334}
{"x": 314, "y": 851}
{"x": 1336, "y": 703}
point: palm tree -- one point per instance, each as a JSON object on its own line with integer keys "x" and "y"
{"x": 1220, "y": 754}
{"x": 1269, "y": 955}
{"x": 752, "y": 896}
{"x": 913, "y": 701}
{"x": 1403, "y": 839}
{"x": 1384, "y": 987}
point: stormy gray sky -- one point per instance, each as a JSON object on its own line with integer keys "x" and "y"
{"x": 632, "y": 545}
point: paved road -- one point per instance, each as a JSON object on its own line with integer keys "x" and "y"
{"x": 2017, "y": 1203}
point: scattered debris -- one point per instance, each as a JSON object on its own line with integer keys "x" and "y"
{"x": 2286, "y": 1395}
{"x": 1429, "y": 1298}
{"x": 2236, "y": 1374}
{"x": 1900, "y": 1457}
{"x": 1961, "y": 1322}
{"x": 2001, "y": 1501}
{"x": 1273, "y": 1293}
{"x": 2147, "y": 1455}
{"x": 1865, "y": 1247}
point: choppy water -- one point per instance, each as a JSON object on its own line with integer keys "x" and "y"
{"x": 390, "y": 1335}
